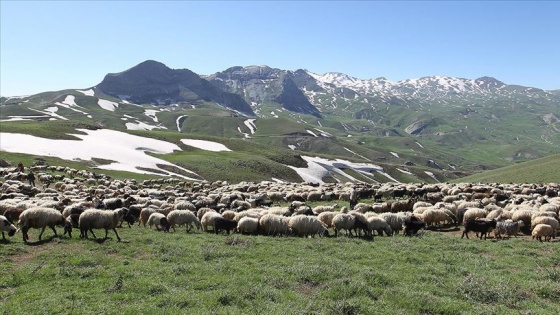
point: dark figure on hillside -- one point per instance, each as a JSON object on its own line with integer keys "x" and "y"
{"x": 20, "y": 167}
{"x": 31, "y": 179}
{"x": 353, "y": 198}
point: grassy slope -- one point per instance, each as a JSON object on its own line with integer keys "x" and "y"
{"x": 205, "y": 273}
{"x": 544, "y": 170}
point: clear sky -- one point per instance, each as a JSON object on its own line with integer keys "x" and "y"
{"x": 55, "y": 45}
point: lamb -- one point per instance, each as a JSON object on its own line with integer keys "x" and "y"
{"x": 248, "y": 225}
{"x": 99, "y": 219}
{"x": 343, "y": 221}
{"x": 159, "y": 219}
{"x": 40, "y": 218}
{"x": 180, "y": 217}
{"x": 304, "y": 225}
{"x": 272, "y": 224}
{"x": 541, "y": 230}
{"x": 224, "y": 224}
{"x": 208, "y": 220}
{"x": 6, "y": 226}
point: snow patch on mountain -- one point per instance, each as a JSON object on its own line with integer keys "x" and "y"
{"x": 205, "y": 145}
{"x": 107, "y": 105}
{"x": 89, "y": 92}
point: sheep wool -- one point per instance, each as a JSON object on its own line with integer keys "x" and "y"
{"x": 40, "y": 218}
{"x": 541, "y": 230}
{"x": 100, "y": 219}
{"x": 186, "y": 217}
{"x": 303, "y": 225}
{"x": 248, "y": 225}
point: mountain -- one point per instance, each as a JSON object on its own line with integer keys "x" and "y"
{"x": 429, "y": 129}
{"x": 152, "y": 82}
{"x": 259, "y": 84}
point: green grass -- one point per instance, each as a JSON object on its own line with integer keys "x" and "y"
{"x": 544, "y": 170}
{"x": 201, "y": 273}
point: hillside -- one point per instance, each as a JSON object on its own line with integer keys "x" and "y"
{"x": 428, "y": 129}
{"x": 544, "y": 170}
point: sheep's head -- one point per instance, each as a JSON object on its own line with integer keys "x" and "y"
{"x": 164, "y": 224}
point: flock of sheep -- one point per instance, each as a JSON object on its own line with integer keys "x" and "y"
{"x": 79, "y": 199}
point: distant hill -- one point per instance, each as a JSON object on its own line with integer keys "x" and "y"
{"x": 429, "y": 129}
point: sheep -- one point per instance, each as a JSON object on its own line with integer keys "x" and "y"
{"x": 208, "y": 220}
{"x": 6, "y": 226}
{"x": 304, "y": 225}
{"x": 184, "y": 205}
{"x": 546, "y": 220}
{"x": 360, "y": 222}
{"x": 525, "y": 215}
{"x": 508, "y": 228}
{"x": 272, "y": 224}
{"x": 479, "y": 226}
{"x": 343, "y": 221}
{"x": 248, "y": 225}
{"x": 228, "y": 214}
{"x": 318, "y": 209}
{"x": 412, "y": 225}
{"x": 395, "y": 220}
{"x": 327, "y": 217}
{"x": 541, "y": 230}
{"x": 158, "y": 219}
{"x": 363, "y": 207}
{"x": 376, "y": 223}
{"x": 224, "y": 224}
{"x": 253, "y": 213}
{"x": 180, "y": 217}
{"x": 402, "y": 205}
{"x": 40, "y": 218}
{"x": 283, "y": 211}
{"x": 202, "y": 211}
{"x": 99, "y": 219}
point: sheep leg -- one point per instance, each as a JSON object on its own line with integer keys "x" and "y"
{"x": 91, "y": 230}
{"x": 3, "y": 236}
{"x": 41, "y": 234}
{"x": 54, "y": 230}
{"x": 117, "y": 234}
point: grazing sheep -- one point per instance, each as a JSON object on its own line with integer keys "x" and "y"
{"x": 248, "y": 225}
{"x": 304, "y": 225}
{"x": 208, "y": 220}
{"x": 99, "y": 219}
{"x": 319, "y": 209}
{"x": 412, "y": 225}
{"x": 186, "y": 217}
{"x": 525, "y": 215}
{"x": 159, "y": 219}
{"x": 224, "y": 224}
{"x": 272, "y": 224}
{"x": 546, "y": 220}
{"x": 253, "y": 213}
{"x": 395, "y": 220}
{"x": 508, "y": 228}
{"x": 40, "y": 218}
{"x": 343, "y": 221}
{"x": 283, "y": 211}
{"x": 473, "y": 213}
{"x": 228, "y": 214}
{"x": 185, "y": 205}
{"x": 327, "y": 217}
{"x": 541, "y": 230}
{"x": 378, "y": 224}
{"x": 480, "y": 226}
{"x": 6, "y": 226}
{"x": 202, "y": 211}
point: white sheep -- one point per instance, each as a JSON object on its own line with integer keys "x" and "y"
{"x": 376, "y": 223}
{"x": 283, "y": 211}
{"x": 202, "y": 211}
{"x": 343, "y": 221}
{"x": 186, "y": 217}
{"x": 541, "y": 230}
{"x": 6, "y": 226}
{"x": 158, "y": 219}
{"x": 395, "y": 220}
{"x": 228, "y": 214}
{"x": 272, "y": 224}
{"x": 546, "y": 220}
{"x": 100, "y": 219}
{"x": 473, "y": 213}
{"x": 319, "y": 209}
{"x": 253, "y": 213}
{"x": 40, "y": 218}
{"x": 248, "y": 225}
{"x": 327, "y": 217}
{"x": 208, "y": 220}
{"x": 304, "y": 225}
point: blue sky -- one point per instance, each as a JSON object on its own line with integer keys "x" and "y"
{"x": 55, "y": 45}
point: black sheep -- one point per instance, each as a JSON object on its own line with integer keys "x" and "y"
{"x": 224, "y": 224}
{"x": 480, "y": 226}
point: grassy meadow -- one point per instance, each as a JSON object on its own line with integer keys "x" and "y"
{"x": 152, "y": 272}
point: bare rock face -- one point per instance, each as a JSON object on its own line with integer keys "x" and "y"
{"x": 417, "y": 127}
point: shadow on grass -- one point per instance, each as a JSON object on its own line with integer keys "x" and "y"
{"x": 41, "y": 242}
